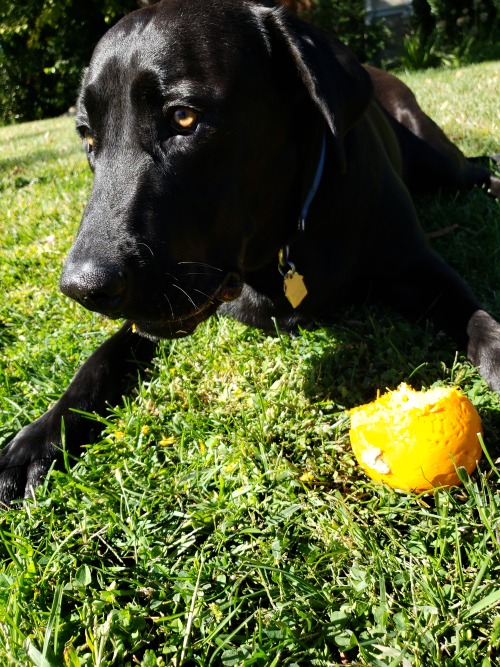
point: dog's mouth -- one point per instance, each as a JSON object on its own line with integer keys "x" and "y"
{"x": 184, "y": 325}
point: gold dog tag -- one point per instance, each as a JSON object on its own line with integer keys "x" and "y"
{"x": 295, "y": 289}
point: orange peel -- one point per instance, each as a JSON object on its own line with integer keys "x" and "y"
{"x": 415, "y": 441}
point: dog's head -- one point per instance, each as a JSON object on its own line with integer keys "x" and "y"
{"x": 202, "y": 121}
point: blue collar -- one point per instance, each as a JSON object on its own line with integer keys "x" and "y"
{"x": 314, "y": 187}
{"x": 284, "y": 263}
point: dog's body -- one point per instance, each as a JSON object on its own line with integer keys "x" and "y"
{"x": 234, "y": 149}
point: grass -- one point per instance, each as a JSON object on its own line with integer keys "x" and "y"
{"x": 222, "y": 519}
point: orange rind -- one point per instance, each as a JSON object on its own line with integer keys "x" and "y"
{"x": 415, "y": 441}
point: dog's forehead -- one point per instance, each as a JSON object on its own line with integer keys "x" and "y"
{"x": 181, "y": 40}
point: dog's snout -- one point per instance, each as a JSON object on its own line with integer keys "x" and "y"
{"x": 101, "y": 288}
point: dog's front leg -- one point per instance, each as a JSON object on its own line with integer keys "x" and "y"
{"x": 100, "y": 381}
{"x": 427, "y": 288}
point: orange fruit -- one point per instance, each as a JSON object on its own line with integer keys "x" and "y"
{"x": 414, "y": 440}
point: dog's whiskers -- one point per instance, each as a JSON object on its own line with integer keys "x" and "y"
{"x": 206, "y": 266}
{"x": 146, "y": 246}
{"x": 170, "y": 306}
{"x": 201, "y": 292}
{"x": 197, "y": 308}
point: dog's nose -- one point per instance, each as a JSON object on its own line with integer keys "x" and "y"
{"x": 99, "y": 288}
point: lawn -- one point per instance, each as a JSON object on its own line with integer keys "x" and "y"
{"x": 222, "y": 518}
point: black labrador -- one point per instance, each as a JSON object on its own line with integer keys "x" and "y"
{"x": 245, "y": 162}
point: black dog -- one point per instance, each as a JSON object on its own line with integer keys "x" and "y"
{"x": 238, "y": 153}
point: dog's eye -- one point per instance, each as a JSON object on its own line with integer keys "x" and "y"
{"x": 185, "y": 118}
{"x": 89, "y": 138}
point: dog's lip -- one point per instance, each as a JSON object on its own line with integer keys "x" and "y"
{"x": 229, "y": 290}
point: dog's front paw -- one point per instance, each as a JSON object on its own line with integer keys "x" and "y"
{"x": 25, "y": 461}
{"x": 484, "y": 347}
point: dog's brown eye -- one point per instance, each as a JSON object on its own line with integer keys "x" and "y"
{"x": 89, "y": 138}
{"x": 185, "y": 118}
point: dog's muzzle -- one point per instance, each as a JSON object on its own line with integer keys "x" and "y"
{"x": 229, "y": 290}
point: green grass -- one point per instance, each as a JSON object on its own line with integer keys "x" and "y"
{"x": 186, "y": 536}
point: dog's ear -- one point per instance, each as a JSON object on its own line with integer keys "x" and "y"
{"x": 332, "y": 76}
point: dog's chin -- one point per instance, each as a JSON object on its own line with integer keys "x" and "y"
{"x": 183, "y": 326}
{"x": 175, "y": 328}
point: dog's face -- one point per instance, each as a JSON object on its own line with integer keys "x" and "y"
{"x": 187, "y": 132}
{"x": 202, "y": 121}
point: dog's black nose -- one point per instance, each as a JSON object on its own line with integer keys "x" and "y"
{"x": 99, "y": 288}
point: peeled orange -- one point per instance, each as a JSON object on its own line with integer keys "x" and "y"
{"x": 414, "y": 440}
